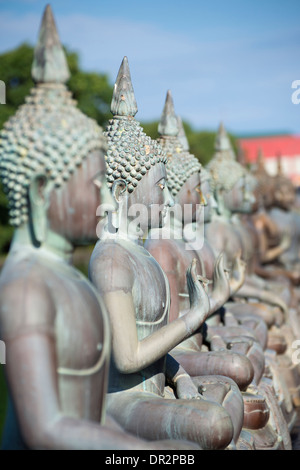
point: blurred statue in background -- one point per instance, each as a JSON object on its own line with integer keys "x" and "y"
{"x": 235, "y": 190}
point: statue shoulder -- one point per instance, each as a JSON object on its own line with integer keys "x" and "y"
{"x": 26, "y": 302}
{"x": 111, "y": 266}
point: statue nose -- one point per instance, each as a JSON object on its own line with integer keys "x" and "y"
{"x": 168, "y": 198}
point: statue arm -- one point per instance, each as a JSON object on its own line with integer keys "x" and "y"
{"x": 250, "y": 291}
{"x": 266, "y": 254}
{"x": 131, "y": 354}
{"x": 272, "y": 254}
{"x": 273, "y": 272}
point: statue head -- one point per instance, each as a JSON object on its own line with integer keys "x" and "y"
{"x": 136, "y": 171}
{"x": 51, "y": 153}
{"x": 233, "y": 186}
{"x": 284, "y": 190}
{"x": 183, "y": 168}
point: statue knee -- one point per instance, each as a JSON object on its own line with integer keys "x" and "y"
{"x": 225, "y": 391}
{"x": 240, "y": 369}
{"x": 216, "y": 431}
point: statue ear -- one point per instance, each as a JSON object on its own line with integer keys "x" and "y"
{"x": 39, "y": 202}
{"x": 118, "y": 189}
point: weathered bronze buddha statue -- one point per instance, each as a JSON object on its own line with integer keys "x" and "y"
{"x": 52, "y": 319}
{"x": 136, "y": 293}
{"x": 235, "y": 200}
{"x": 173, "y": 248}
{"x": 274, "y": 244}
{"x": 278, "y": 277}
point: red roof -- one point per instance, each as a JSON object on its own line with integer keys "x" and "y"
{"x": 285, "y": 145}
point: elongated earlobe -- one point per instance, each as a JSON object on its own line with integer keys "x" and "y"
{"x": 118, "y": 189}
{"x": 39, "y": 203}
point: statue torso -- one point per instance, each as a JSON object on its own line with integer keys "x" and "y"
{"x": 78, "y": 324}
{"x": 175, "y": 256}
{"x": 150, "y": 294}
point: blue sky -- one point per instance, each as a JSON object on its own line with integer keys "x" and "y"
{"x": 223, "y": 60}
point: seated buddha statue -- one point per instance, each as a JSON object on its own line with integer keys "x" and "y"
{"x": 257, "y": 229}
{"x": 234, "y": 191}
{"x": 283, "y": 214}
{"x": 278, "y": 277}
{"x": 53, "y": 321}
{"x": 150, "y": 394}
{"x": 173, "y": 248}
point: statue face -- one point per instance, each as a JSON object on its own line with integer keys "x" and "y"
{"x": 190, "y": 194}
{"x": 72, "y": 210}
{"x": 242, "y": 197}
{"x": 284, "y": 195}
{"x": 153, "y": 198}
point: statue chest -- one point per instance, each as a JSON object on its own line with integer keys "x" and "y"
{"x": 150, "y": 295}
{"x": 79, "y": 326}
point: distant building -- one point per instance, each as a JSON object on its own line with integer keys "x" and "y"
{"x": 287, "y": 146}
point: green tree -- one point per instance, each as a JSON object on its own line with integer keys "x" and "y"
{"x": 92, "y": 90}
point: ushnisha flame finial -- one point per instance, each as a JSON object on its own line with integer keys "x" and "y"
{"x": 49, "y": 63}
{"x": 168, "y": 125}
{"x": 123, "y": 99}
{"x": 222, "y": 142}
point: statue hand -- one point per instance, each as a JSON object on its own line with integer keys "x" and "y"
{"x": 197, "y": 287}
{"x": 238, "y": 273}
{"x": 185, "y": 388}
{"x": 221, "y": 287}
{"x": 221, "y": 277}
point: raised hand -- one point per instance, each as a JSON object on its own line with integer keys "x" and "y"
{"x": 238, "y": 273}
{"x": 197, "y": 286}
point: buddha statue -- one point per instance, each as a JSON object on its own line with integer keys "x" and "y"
{"x": 283, "y": 214}
{"x": 279, "y": 278}
{"x": 53, "y": 321}
{"x": 273, "y": 243}
{"x": 173, "y": 251}
{"x": 234, "y": 193}
{"x": 150, "y": 394}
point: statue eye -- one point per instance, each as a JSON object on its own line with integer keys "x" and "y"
{"x": 198, "y": 189}
{"x": 161, "y": 186}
